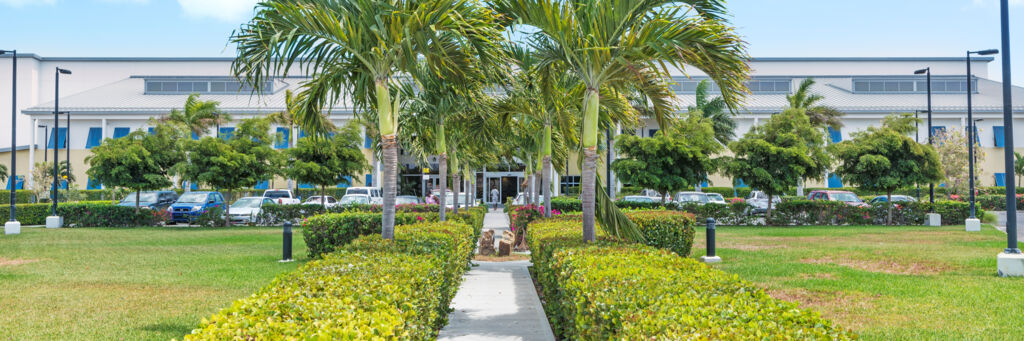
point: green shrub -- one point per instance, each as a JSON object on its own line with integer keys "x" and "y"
{"x": 86, "y": 214}
{"x": 272, "y": 215}
{"x": 670, "y": 230}
{"x": 740, "y": 192}
{"x": 566, "y": 204}
{"x": 611, "y": 290}
{"x": 735, "y": 214}
{"x": 324, "y": 233}
{"x": 996, "y": 202}
{"x": 369, "y": 289}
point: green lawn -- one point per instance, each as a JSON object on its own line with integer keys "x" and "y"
{"x": 130, "y": 284}
{"x": 885, "y": 283}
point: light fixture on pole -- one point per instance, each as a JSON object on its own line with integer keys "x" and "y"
{"x": 928, "y": 72}
{"x": 1010, "y": 262}
{"x": 972, "y": 223}
{"x": 55, "y": 221}
{"x": 13, "y": 226}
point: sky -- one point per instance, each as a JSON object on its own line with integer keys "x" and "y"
{"x": 772, "y": 28}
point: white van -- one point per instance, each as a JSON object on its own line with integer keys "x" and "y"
{"x": 375, "y": 193}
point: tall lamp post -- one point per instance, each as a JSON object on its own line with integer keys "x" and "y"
{"x": 917, "y": 137}
{"x": 972, "y": 223}
{"x": 1011, "y": 261}
{"x": 55, "y": 221}
{"x": 928, "y": 71}
{"x": 13, "y": 226}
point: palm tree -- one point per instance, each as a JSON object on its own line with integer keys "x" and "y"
{"x": 714, "y": 109}
{"x": 611, "y": 45}
{"x": 355, "y": 49}
{"x": 1018, "y": 165}
{"x": 287, "y": 118}
{"x": 197, "y": 116}
{"x": 820, "y": 115}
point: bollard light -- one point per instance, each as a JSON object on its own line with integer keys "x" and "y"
{"x": 710, "y": 233}
{"x": 286, "y": 247}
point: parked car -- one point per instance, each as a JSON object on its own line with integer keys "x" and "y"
{"x": 650, "y": 193}
{"x": 715, "y": 198}
{"x": 192, "y": 204}
{"x": 245, "y": 210}
{"x": 684, "y": 198}
{"x": 845, "y": 196}
{"x": 895, "y": 198}
{"x": 639, "y": 199}
{"x": 281, "y": 196}
{"x": 758, "y": 201}
{"x": 521, "y": 199}
{"x": 408, "y": 200}
{"x": 375, "y": 193}
{"x": 154, "y": 200}
{"x": 328, "y": 202}
{"x": 354, "y": 199}
{"x": 449, "y": 202}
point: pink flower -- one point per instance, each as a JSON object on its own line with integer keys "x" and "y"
{"x": 419, "y": 218}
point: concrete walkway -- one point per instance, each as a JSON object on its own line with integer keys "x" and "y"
{"x": 497, "y": 300}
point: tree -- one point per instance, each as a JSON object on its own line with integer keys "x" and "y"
{"x": 197, "y": 116}
{"x": 671, "y": 160}
{"x": 327, "y": 161}
{"x": 4, "y": 175}
{"x": 885, "y": 158}
{"x": 42, "y": 180}
{"x": 614, "y": 46}
{"x": 714, "y": 109}
{"x": 952, "y": 148}
{"x": 1018, "y": 165}
{"x": 243, "y": 160}
{"x": 139, "y": 161}
{"x": 774, "y": 156}
{"x": 288, "y": 119}
{"x": 819, "y": 115}
{"x": 357, "y": 48}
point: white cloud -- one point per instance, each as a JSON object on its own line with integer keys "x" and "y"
{"x": 226, "y": 10}
{"x": 20, "y": 3}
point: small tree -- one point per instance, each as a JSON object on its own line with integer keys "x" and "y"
{"x": 327, "y": 161}
{"x": 1018, "y": 166}
{"x": 139, "y": 161}
{"x": 773, "y": 157}
{"x": 242, "y": 160}
{"x": 671, "y": 160}
{"x": 887, "y": 159}
{"x": 952, "y": 148}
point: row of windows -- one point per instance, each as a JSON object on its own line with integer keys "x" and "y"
{"x": 755, "y": 86}
{"x": 95, "y": 136}
{"x": 912, "y": 86}
{"x": 200, "y": 86}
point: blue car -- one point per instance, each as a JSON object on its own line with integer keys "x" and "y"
{"x": 190, "y": 205}
{"x": 154, "y": 200}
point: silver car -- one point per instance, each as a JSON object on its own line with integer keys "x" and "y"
{"x": 684, "y": 198}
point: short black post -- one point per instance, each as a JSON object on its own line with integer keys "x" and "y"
{"x": 286, "y": 247}
{"x": 710, "y": 233}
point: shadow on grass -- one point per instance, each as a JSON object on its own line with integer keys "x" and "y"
{"x": 169, "y": 328}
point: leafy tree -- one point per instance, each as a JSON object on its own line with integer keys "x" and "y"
{"x": 243, "y": 160}
{"x": 139, "y": 161}
{"x": 1018, "y": 166}
{"x": 357, "y": 48}
{"x": 197, "y": 116}
{"x": 42, "y": 180}
{"x": 671, "y": 160}
{"x": 289, "y": 119}
{"x": 774, "y": 156}
{"x": 613, "y": 46}
{"x": 327, "y": 161}
{"x": 885, "y": 158}
{"x": 714, "y": 109}
{"x": 952, "y": 148}
{"x": 4, "y": 174}
{"x": 819, "y": 115}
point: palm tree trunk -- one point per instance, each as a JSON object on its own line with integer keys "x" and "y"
{"x": 530, "y": 190}
{"x": 227, "y": 210}
{"x": 389, "y": 152}
{"x": 323, "y": 197}
{"x": 888, "y": 202}
{"x": 768, "y": 212}
{"x": 469, "y": 189}
{"x": 589, "y": 142}
{"x": 456, "y": 184}
{"x": 442, "y": 165}
{"x": 546, "y": 185}
{"x": 138, "y": 193}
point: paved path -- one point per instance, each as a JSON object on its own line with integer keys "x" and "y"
{"x": 497, "y": 300}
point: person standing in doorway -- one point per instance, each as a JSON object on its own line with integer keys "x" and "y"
{"x": 494, "y": 198}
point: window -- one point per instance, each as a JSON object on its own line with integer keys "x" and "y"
{"x": 61, "y": 137}
{"x": 369, "y": 180}
{"x": 151, "y": 130}
{"x": 93, "y": 184}
{"x": 915, "y": 85}
{"x": 1000, "y": 137}
{"x": 265, "y": 184}
{"x": 834, "y": 181}
{"x": 938, "y": 130}
{"x": 651, "y": 132}
{"x": 19, "y": 183}
{"x": 306, "y": 186}
{"x": 282, "y": 138}
{"x": 739, "y": 183}
{"x": 346, "y": 183}
{"x": 208, "y": 86}
{"x": 1000, "y": 179}
{"x": 367, "y": 141}
{"x": 120, "y": 132}
{"x": 226, "y": 133}
{"x": 94, "y": 138}
{"x": 836, "y": 135}
{"x": 770, "y": 85}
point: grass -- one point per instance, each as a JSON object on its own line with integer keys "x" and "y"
{"x": 884, "y": 283}
{"x": 130, "y": 284}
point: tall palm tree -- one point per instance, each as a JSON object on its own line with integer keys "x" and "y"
{"x": 820, "y": 115}
{"x": 197, "y": 116}
{"x": 714, "y": 109}
{"x": 616, "y": 44}
{"x": 355, "y": 49}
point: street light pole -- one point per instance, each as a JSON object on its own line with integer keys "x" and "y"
{"x": 67, "y": 147}
{"x": 928, "y": 71}
{"x": 55, "y": 221}
{"x": 1011, "y": 195}
{"x": 13, "y": 226}
{"x": 970, "y": 131}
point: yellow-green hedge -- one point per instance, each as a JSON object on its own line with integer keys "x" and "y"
{"x": 369, "y": 289}
{"x": 613, "y": 290}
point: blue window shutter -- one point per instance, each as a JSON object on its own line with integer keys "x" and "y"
{"x": 704, "y": 184}
{"x": 1000, "y": 136}
{"x": 53, "y": 137}
{"x": 265, "y": 184}
{"x": 652, "y": 132}
{"x": 151, "y": 130}
{"x": 95, "y": 136}
{"x": 194, "y": 186}
{"x": 282, "y": 132}
{"x": 836, "y": 135}
{"x": 740, "y": 183}
{"x": 936, "y": 130}
{"x": 93, "y": 184}
{"x": 195, "y": 136}
{"x": 227, "y": 133}
{"x": 120, "y": 132}
{"x": 977, "y": 139}
{"x": 369, "y": 180}
{"x": 302, "y": 133}
{"x": 306, "y": 186}
{"x": 346, "y": 183}
{"x": 58, "y": 135}
{"x": 834, "y": 181}
{"x": 63, "y": 184}
{"x": 1000, "y": 179}
{"x": 367, "y": 141}
{"x": 19, "y": 183}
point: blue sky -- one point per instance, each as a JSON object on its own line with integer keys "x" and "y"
{"x": 773, "y": 28}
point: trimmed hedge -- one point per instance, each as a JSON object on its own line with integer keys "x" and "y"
{"x": 369, "y": 289}
{"x": 86, "y": 214}
{"x": 272, "y": 215}
{"x": 670, "y": 230}
{"x": 996, "y": 202}
{"x": 324, "y": 233}
{"x": 611, "y": 290}
{"x": 820, "y": 212}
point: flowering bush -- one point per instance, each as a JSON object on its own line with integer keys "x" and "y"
{"x": 523, "y": 215}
